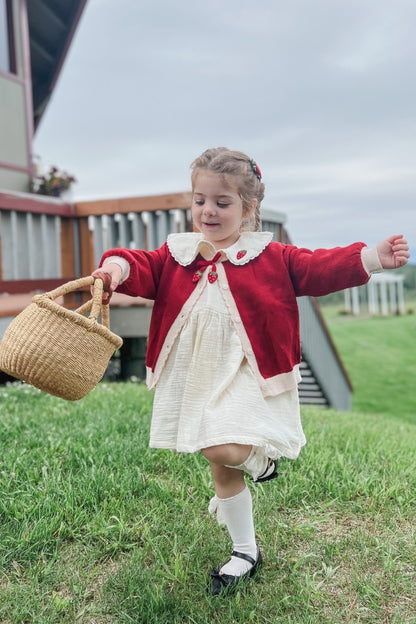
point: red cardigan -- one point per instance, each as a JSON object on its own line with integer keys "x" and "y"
{"x": 262, "y": 291}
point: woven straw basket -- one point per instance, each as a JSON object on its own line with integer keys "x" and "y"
{"x": 57, "y": 350}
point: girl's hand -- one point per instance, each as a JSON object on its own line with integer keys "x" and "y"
{"x": 393, "y": 252}
{"x": 111, "y": 276}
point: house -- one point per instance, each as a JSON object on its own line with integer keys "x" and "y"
{"x": 34, "y": 38}
{"x": 45, "y": 241}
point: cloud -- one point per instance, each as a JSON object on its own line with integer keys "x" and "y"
{"x": 321, "y": 93}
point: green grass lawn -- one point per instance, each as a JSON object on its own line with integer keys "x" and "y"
{"x": 379, "y": 354}
{"x": 96, "y": 528}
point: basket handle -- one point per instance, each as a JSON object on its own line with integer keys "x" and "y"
{"x": 95, "y": 304}
{"x": 65, "y": 289}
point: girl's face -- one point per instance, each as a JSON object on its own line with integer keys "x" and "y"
{"x": 217, "y": 208}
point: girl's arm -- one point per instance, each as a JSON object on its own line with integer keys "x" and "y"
{"x": 134, "y": 272}
{"x": 323, "y": 271}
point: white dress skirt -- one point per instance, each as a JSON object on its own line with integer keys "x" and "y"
{"x": 207, "y": 394}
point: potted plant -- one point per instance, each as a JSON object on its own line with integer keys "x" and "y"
{"x": 53, "y": 183}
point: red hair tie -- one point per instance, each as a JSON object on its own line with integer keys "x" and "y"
{"x": 256, "y": 169}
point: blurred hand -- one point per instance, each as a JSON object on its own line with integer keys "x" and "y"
{"x": 393, "y": 252}
{"x": 111, "y": 276}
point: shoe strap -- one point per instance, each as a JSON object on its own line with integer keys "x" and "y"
{"x": 270, "y": 463}
{"x": 241, "y": 555}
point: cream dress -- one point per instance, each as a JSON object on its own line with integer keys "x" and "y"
{"x": 207, "y": 394}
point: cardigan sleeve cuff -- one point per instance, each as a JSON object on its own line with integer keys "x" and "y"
{"x": 371, "y": 261}
{"x": 122, "y": 263}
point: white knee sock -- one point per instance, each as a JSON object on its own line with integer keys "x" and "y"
{"x": 237, "y": 514}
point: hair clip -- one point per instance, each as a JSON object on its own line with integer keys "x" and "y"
{"x": 256, "y": 169}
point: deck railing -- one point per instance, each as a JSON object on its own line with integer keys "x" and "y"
{"x": 36, "y": 242}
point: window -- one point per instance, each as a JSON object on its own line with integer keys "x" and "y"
{"x": 7, "y": 58}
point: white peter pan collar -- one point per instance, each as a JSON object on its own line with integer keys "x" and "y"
{"x": 185, "y": 247}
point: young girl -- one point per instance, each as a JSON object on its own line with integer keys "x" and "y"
{"x": 224, "y": 346}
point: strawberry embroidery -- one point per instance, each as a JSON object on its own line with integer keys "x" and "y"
{"x": 241, "y": 254}
{"x": 197, "y": 276}
{"x": 203, "y": 264}
{"x": 212, "y": 276}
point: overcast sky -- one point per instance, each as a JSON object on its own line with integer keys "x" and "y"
{"x": 322, "y": 93}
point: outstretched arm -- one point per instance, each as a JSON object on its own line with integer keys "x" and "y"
{"x": 393, "y": 252}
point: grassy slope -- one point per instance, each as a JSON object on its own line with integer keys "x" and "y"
{"x": 97, "y": 528}
{"x": 380, "y": 357}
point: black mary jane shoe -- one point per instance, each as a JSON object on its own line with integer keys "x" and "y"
{"x": 270, "y": 472}
{"x": 225, "y": 583}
